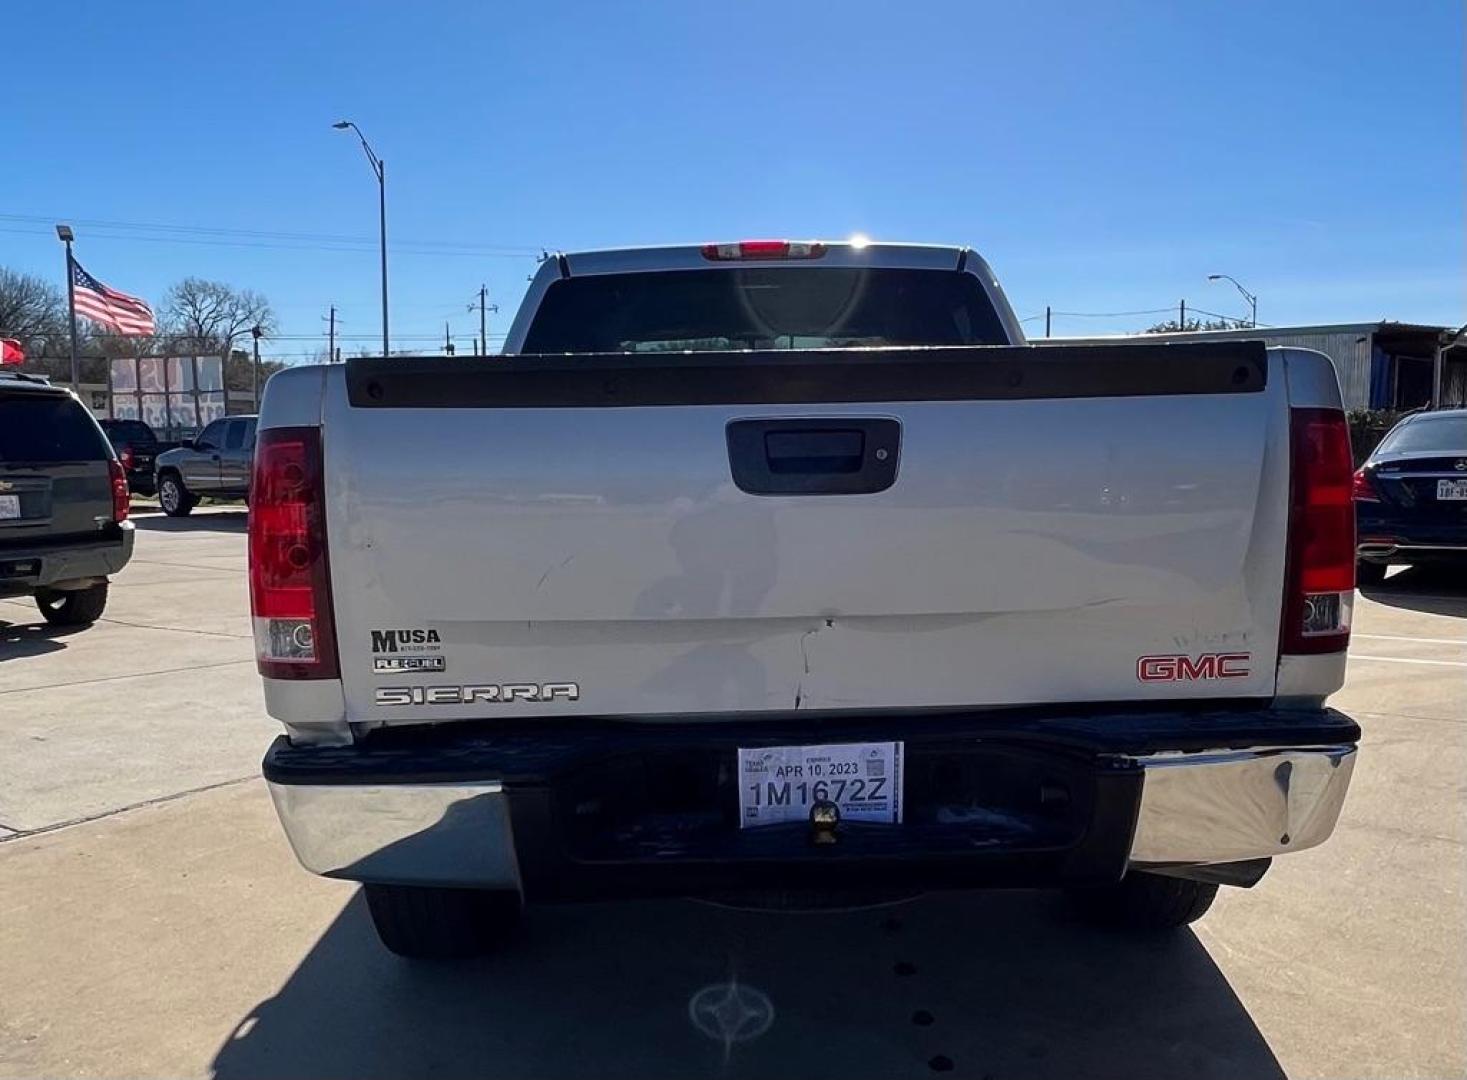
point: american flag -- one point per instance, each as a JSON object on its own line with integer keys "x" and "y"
{"x": 124, "y": 314}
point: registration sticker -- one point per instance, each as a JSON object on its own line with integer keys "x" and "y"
{"x": 779, "y": 784}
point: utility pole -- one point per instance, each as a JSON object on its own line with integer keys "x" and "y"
{"x": 447, "y": 341}
{"x": 482, "y": 346}
{"x": 1182, "y": 319}
{"x": 1046, "y": 320}
{"x": 483, "y": 324}
{"x": 331, "y": 336}
{"x": 255, "y": 333}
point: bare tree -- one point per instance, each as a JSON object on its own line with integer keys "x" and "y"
{"x": 211, "y": 316}
{"x": 31, "y": 308}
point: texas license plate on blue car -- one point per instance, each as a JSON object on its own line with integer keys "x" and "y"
{"x": 779, "y": 784}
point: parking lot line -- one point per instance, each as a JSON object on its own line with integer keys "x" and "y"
{"x": 1409, "y": 660}
{"x": 124, "y": 675}
{"x": 1406, "y": 637}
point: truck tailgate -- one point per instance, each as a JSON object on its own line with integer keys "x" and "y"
{"x": 1042, "y": 520}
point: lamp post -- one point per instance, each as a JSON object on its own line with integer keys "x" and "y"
{"x": 379, "y": 168}
{"x": 1252, "y": 300}
{"x": 256, "y": 332}
{"x": 65, "y": 235}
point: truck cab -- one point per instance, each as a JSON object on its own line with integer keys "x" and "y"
{"x": 216, "y": 463}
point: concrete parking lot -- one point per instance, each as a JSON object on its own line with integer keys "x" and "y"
{"x": 154, "y": 923}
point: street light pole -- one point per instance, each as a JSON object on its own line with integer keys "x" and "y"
{"x": 64, "y": 234}
{"x": 1252, "y": 300}
{"x": 255, "y": 332}
{"x": 379, "y": 169}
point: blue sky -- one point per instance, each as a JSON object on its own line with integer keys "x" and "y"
{"x": 1103, "y": 160}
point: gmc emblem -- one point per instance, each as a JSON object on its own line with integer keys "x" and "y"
{"x": 1225, "y": 665}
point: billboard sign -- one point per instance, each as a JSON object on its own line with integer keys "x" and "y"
{"x": 174, "y": 395}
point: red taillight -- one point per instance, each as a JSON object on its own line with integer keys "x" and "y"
{"x": 121, "y": 502}
{"x": 290, "y": 586}
{"x": 1320, "y": 575}
{"x": 1362, "y": 489}
{"x": 126, "y": 457}
{"x": 764, "y": 249}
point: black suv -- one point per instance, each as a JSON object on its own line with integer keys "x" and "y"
{"x": 137, "y": 446}
{"x": 63, "y": 502}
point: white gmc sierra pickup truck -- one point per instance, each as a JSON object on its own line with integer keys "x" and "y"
{"x": 778, "y": 569}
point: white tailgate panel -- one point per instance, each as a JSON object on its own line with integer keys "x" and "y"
{"x": 1029, "y": 551}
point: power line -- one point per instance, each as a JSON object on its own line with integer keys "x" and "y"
{"x": 198, "y": 338}
{"x": 263, "y": 234}
{"x": 1112, "y": 314}
{"x": 403, "y": 248}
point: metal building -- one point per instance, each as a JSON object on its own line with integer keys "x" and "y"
{"x": 1381, "y": 365}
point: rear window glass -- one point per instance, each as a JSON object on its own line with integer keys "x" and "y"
{"x": 128, "y": 431}
{"x": 1445, "y": 433}
{"x": 763, "y": 308}
{"x": 42, "y": 429}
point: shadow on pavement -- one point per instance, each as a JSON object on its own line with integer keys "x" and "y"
{"x": 1436, "y": 590}
{"x": 232, "y": 520}
{"x": 32, "y": 639}
{"x": 985, "y": 984}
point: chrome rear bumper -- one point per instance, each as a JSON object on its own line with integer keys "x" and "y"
{"x": 1195, "y": 809}
{"x": 410, "y": 834}
{"x": 1232, "y": 805}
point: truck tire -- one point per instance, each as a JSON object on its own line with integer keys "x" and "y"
{"x": 1141, "y": 901}
{"x": 78, "y": 607}
{"x": 1369, "y": 573}
{"x": 424, "y": 922}
{"x": 173, "y": 497}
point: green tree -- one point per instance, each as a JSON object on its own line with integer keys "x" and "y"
{"x": 1172, "y": 326}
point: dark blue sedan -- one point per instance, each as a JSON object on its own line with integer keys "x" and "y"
{"x": 1411, "y": 496}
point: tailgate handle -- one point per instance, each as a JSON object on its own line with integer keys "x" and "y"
{"x": 814, "y": 451}
{"x": 832, "y": 456}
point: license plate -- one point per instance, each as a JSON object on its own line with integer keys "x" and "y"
{"x": 779, "y": 784}
{"x": 9, "y": 506}
{"x": 1451, "y": 490}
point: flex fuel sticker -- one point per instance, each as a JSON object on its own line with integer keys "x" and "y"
{"x": 387, "y": 665}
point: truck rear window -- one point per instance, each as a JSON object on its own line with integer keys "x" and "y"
{"x": 131, "y": 432}
{"x": 762, "y": 308}
{"x": 43, "y": 428}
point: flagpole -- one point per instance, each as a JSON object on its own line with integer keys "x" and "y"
{"x": 65, "y": 234}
